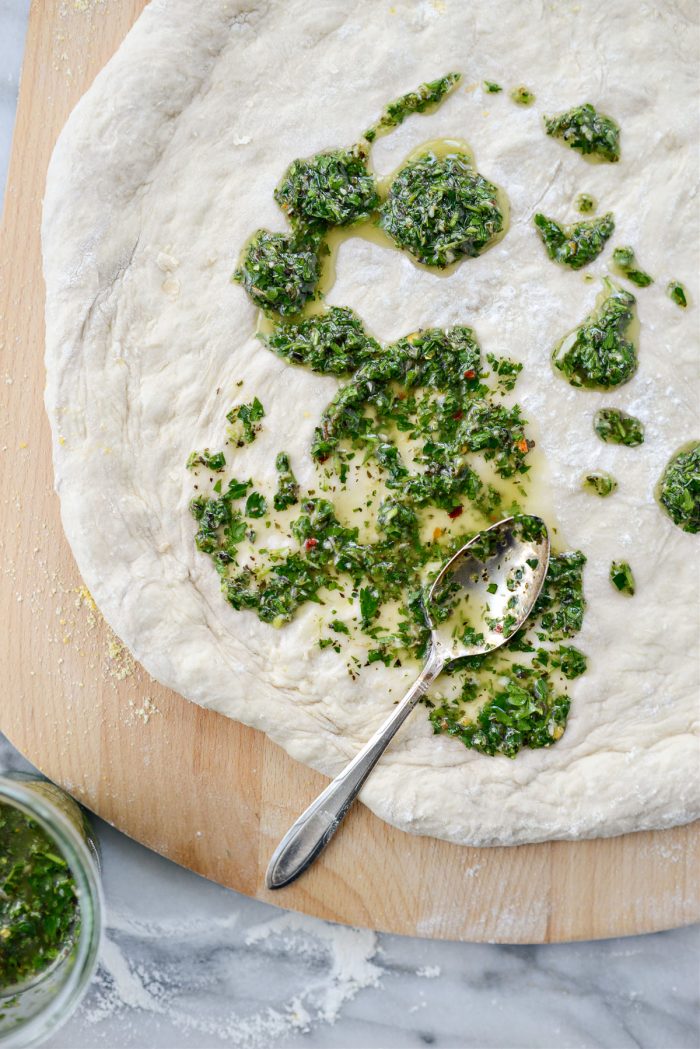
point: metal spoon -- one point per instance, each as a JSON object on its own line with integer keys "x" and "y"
{"x": 480, "y": 598}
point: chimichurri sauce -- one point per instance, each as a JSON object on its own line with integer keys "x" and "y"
{"x": 280, "y": 271}
{"x": 679, "y": 488}
{"x": 424, "y": 99}
{"x": 600, "y": 483}
{"x": 614, "y": 426}
{"x": 440, "y": 209}
{"x": 416, "y": 417}
{"x": 586, "y": 130}
{"x": 622, "y": 578}
{"x": 625, "y": 262}
{"x": 522, "y": 95}
{"x": 677, "y": 293}
{"x": 575, "y": 245}
{"x": 602, "y": 352}
{"x": 38, "y": 901}
{"x": 585, "y": 203}
{"x": 421, "y": 446}
{"x": 334, "y": 188}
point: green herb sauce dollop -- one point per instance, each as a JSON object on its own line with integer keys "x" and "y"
{"x": 601, "y": 353}
{"x": 279, "y": 271}
{"x": 679, "y": 489}
{"x": 600, "y": 483}
{"x": 617, "y": 427}
{"x": 575, "y": 245}
{"x": 441, "y": 209}
{"x": 334, "y": 188}
{"x": 586, "y": 130}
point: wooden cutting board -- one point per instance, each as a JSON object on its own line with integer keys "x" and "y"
{"x": 209, "y": 793}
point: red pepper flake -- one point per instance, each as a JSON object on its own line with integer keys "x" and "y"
{"x": 456, "y": 511}
{"x": 522, "y": 445}
{"x": 311, "y": 543}
{"x": 471, "y": 374}
{"x": 458, "y": 415}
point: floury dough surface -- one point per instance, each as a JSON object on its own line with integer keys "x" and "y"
{"x": 166, "y": 167}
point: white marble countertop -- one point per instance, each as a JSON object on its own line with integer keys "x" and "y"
{"x": 186, "y": 963}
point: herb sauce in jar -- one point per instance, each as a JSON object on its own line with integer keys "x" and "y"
{"x": 38, "y": 900}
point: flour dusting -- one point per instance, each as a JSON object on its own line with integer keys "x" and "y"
{"x": 144, "y": 966}
{"x": 350, "y": 954}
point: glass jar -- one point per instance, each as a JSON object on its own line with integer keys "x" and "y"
{"x": 34, "y": 1009}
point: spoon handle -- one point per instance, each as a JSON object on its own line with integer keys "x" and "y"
{"x": 310, "y": 834}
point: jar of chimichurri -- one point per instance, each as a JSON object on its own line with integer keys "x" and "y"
{"x": 50, "y": 908}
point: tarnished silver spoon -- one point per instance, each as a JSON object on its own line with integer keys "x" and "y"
{"x": 479, "y": 599}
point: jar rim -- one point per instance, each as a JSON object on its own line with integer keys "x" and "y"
{"x": 90, "y": 903}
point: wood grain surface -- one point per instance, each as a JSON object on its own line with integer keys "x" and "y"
{"x": 209, "y": 793}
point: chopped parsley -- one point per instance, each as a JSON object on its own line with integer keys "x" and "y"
{"x": 621, "y": 577}
{"x": 576, "y": 245}
{"x": 523, "y": 706}
{"x": 585, "y": 129}
{"x": 221, "y": 527}
{"x": 676, "y": 291}
{"x": 585, "y": 203}
{"x": 601, "y": 353}
{"x": 571, "y": 661}
{"x": 625, "y": 264}
{"x": 441, "y": 209}
{"x": 561, "y": 603}
{"x": 333, "y": 188}
{"x": 38, "y": 899}
{"x": 679, "y": 489}
{"x": 255, "y": 505}
{"x": 522, "y": 96}
{"x": 369, "y": 604}
{"x": 507, "y": 371}
{"x": 600, "y": 483}
{"x": 279, "y": 271}
{"x": 287, "y": 493}
{"x": 451, "y": 429}
{"x": 491, "y": 88}
{"x": 237, "y": 489}
{"x": 215, "y": 461}
{"x": 332, "y": 343}
{"x": 519, "y": 715}
{"x": 617, "y": 427}
{"x": 245, "y": 422}
{"x": 425, "y": 97}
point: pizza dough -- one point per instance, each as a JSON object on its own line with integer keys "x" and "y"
{"x": 162, "y": 172}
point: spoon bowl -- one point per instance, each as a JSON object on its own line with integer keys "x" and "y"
{"x": 484, "y": 594}
{"x": 479, "y": 599}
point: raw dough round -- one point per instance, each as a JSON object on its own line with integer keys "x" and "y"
{"x": 162, "y": 172}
